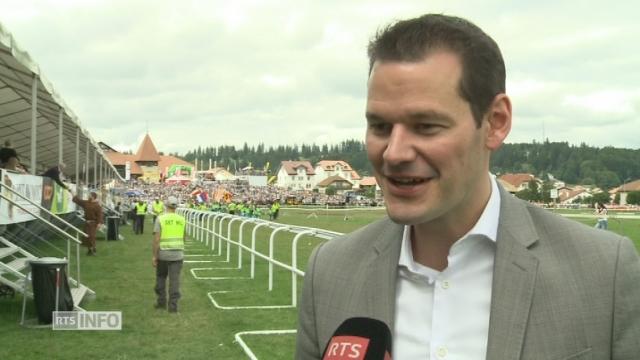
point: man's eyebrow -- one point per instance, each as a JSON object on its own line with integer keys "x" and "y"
{"x": 430, "y": 115}
{"x": 373, "y": 117}
{"x": 417, "y": 116}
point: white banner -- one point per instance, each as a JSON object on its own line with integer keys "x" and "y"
{"x": 127, "y": 170}
{"x": 29, "y": 186}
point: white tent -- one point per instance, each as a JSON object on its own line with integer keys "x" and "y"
{"x": 41, "y": 127}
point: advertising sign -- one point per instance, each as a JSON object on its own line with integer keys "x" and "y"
{"x": 29, "y": 186}
{"x": 179, "y": 170}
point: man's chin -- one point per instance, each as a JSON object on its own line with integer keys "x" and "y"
{"x": 404, "y": 218}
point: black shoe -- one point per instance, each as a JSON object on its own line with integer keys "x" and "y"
{"x": 173, "y": 310}
{"x": 89, "y": 252}
{"x": 159, "y": 306}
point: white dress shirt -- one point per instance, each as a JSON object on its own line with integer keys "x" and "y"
{"x": 445, "y": 315}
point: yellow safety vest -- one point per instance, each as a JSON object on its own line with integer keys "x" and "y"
{"x": 172, "y": 228}
{"x": 141, "y": 209}
{"x": 158, "y": 207}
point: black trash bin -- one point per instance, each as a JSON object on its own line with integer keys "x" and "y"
{"x": 48, "y": 275}
{"x": 112, "y": 227}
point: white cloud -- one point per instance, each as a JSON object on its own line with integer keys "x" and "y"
{"x": 203, "y": 72}
{"x": 605, "y": 101}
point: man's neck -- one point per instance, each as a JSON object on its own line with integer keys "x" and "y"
{"x": 431, "y": 241}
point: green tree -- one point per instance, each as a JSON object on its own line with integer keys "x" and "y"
{"x": 633, "y": 198}
{"x": 602, "y": 197}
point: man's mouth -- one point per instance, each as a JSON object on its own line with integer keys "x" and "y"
{"x": 407, "y": 181}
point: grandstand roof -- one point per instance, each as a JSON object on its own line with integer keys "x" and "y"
{"x": 17, "y": 74}
{"x": 147, "y": 151}
{"x": 117, "y": 158}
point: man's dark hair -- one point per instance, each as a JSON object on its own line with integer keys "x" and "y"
{"x": 483, "y": 70}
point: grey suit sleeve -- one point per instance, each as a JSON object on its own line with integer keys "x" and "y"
{"x": 626, "y": 318}
{"x": 307, "y": 340}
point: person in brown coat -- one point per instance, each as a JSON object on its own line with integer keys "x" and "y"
{"x": 93, "y": 218}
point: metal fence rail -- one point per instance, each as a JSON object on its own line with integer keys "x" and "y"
{"x": 207, "y": 227}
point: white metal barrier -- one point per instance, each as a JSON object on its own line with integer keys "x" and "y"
{"x": 205, "y": 225}
{"x": 244, "y": 346}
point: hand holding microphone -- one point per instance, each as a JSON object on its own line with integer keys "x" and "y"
{"x": 359, "y": 339}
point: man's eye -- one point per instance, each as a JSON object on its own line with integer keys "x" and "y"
{"x": 379, "y": 127}
{"x": 427, "y": 128}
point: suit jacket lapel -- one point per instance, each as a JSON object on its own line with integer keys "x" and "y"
{"x": 382, "y": 272}
{"x": 514, "y": 278}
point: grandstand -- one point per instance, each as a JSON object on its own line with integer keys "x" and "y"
{"x": 37, "y": 218}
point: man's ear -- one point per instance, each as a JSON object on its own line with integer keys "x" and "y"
{"x": 498, "y": 121}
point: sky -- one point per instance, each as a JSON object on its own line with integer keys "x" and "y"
{"x": 219, "y": 72}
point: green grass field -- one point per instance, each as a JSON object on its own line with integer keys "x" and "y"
{"x": 123, "y": 279}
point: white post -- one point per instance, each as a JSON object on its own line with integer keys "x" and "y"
{"x": 240, "y": 242}
{"x": 271, "y": 240}
{"x": 77, "y": 157}
{"x": 253, "y": 248}
{"x": 60, "y": 135}
{"x": 34, "y": 122}
{"x": 229, "y": 237}
{"x": 294, "y": 265}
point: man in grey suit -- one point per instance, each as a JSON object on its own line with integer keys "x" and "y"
{"x": 460, "y": 269}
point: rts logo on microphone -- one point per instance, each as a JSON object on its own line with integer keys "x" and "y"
{"x": 346, "y": 348}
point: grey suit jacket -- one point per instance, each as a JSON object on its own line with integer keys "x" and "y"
{"x": 561, "y": 290}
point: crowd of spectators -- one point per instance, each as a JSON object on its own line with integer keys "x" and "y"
{"x": 242, "y": 192}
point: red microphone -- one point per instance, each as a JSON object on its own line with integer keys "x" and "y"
{"x": 360, "y": 339}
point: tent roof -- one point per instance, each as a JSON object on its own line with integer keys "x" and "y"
{"x": 17, "y": 74}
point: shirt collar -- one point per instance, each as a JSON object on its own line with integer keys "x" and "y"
{"x": 486, "y": 226}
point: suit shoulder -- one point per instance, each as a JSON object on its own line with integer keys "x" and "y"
{"x": 350, "y": 246}
{"x": 556, "y": 229}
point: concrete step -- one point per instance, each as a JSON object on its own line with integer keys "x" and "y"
{"x": 78, "y": 293}
{"x": 16, "y": 265}
{"x": 6, "y": 251}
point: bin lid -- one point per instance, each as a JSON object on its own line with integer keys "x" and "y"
{"x": 48, "y": 261}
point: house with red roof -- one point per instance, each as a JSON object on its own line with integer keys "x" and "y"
{"x": 518, "y": 182}
{"x": 624, "y": 190}
{"x": 146, "y": 164}
{"x": 337, "y": 169}
{"x": 296, "y": 175}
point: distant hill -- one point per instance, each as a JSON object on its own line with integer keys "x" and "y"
{"x": 604, "y": 167}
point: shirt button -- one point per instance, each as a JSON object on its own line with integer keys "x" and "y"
{"x": 442, "y": 352}
{"x": 445, "y": 284}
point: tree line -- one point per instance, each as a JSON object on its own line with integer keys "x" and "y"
{"x": 606, "y": 167}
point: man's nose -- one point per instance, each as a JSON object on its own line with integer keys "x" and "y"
{"x": 400, "y": 147}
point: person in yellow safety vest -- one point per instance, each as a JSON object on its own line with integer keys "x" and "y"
{"x": 275, "y": 209}
{"x": 141, "y": 211}
{"x": 168, "y": 255}
{"x": 158, "y": 208}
